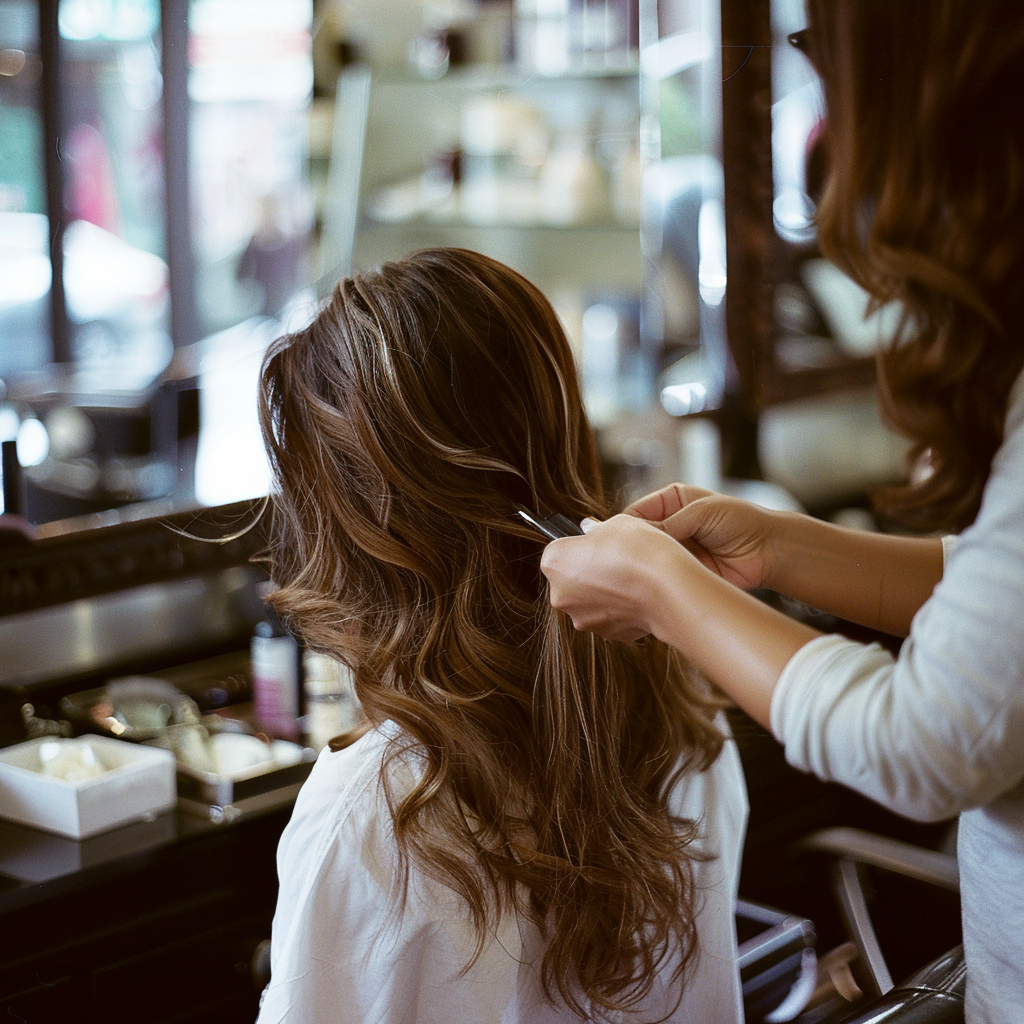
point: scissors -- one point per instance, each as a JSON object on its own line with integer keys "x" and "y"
{"x": 553, "y": 527}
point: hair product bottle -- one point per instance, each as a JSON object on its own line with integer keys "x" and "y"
{"x": 276, "y": 678}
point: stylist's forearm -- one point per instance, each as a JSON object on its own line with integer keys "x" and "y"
{"x": 738, "y": 642}
{"x": 877, "y": 580}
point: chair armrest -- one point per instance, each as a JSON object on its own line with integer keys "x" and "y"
{"x": 853, "y": 847}
{"x": 889, "y": 854}
{"x": 935, "y": 995}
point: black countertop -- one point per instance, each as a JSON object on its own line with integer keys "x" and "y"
{"x": 36, "y": 865}
{"x": 156, "y": 922}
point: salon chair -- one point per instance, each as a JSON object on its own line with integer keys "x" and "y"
{"x": 932, "y": 995}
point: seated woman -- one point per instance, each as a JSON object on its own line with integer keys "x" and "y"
{"x": 539, "y": 825}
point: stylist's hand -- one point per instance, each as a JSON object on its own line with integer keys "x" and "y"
{"x": 609, "y": 581}
{"x": 730, "y": 536}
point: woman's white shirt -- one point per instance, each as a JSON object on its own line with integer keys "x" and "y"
{"x": 939, "y": 731}
{"x": 342, "y": 951}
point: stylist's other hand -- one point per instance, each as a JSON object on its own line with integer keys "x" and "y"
{"x": 609, "y": 580}
{"x": 730, "y": 536}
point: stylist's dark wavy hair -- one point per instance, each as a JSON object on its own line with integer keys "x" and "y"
{"x": 404, "y": 425}
{"x": 925, "y": 204}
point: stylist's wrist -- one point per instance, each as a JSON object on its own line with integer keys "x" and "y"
{"x": 786, "y": 537}
{"x": 670, "y": 589}
{"x": 779, "y": 531}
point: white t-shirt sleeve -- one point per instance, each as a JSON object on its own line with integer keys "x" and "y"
{"x": 940, "y": 729}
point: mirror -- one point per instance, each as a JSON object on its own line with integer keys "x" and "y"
{"x": 577, "y": 142}
{"x": 155, "y": 235}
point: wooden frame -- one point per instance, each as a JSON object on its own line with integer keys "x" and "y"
{"x": 756, "y": 255}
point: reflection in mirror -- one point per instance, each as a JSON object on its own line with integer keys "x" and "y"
{"x": 826, "y": 332}
{"x": 580, "y": 146}
{"x": 685, "y": 254}
{"x": 250, "y": 87}
{"x": 179, "y": 249}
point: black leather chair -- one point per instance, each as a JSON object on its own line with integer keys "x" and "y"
{"x": 935, "y": 993}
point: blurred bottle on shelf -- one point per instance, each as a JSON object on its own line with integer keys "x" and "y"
{"x": 558, "y": 36}
{"x": 503, "y": 140}
{"x": 491, "y": 36}
{"x": 572, "y": 186}
{"x": 331, "y": 705}
{"x": 276, "y": 676}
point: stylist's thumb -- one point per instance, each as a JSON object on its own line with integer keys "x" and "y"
{"x": 690, "y": 520}
{"x": 566, "y": 563}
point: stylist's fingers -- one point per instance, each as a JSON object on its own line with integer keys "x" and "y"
{"x": 687, "y": 524}
{"x": 727, "y": 535}
{"x": 599, "y": 580}
{"x": 666, "y": 502}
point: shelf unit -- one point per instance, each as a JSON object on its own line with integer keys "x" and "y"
{"x": 412, "y": 124}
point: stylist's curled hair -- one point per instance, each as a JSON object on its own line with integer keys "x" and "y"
{"x": 925, "y": 204}
{"x": 424, "y": 404}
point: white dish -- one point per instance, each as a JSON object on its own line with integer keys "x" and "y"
{"x": 137, "y": 781}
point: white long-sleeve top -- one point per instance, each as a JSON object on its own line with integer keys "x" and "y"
{"x": 939, "y": 731}
{"x": 341, "y": 951}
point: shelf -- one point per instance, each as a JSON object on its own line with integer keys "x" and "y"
{"x": 587, "y": 259}
{"x": 504, "y": 203}
{"x": 512, "y": 76}
{"x": 461, "y": 223}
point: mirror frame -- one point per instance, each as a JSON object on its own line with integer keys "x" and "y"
{"x": 754, "y": 251}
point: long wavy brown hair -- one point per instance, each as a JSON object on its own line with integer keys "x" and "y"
{"x": 405, "y": 425}
{"x": 925, "y": 204}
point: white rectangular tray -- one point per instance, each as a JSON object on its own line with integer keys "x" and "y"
{"x": 139, "y": 781}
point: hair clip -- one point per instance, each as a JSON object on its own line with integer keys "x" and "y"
{"x": 553, "y": 527}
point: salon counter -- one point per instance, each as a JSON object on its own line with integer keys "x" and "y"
{"x": 153, "y": 922}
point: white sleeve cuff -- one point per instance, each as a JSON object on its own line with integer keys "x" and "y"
{"x": 818, "y": 683}
{"x": 800, "y": 671}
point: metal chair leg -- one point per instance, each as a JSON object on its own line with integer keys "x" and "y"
{"x": 858, "y": 923}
